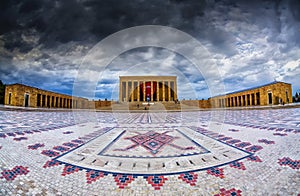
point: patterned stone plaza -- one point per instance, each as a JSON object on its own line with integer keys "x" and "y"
{"x": 214, "y": 152}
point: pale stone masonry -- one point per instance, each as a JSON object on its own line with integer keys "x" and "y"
{"x": 148, "y": 88}
{"x": 269, "y": 94}
{"x": 27, "y": 96}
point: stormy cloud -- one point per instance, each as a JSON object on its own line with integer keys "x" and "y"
{"x": 43, "y": 42}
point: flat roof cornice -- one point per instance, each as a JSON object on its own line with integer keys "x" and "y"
{"x": 148, "y": 77}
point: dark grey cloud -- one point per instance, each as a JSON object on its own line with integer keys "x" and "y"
{"x": 70, "y": 20}
{"x": 50, "y": 37}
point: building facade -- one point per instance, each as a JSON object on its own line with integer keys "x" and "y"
{"x": 269, "y": 94}
{"x": 27, "y": 96}
{"x": 148, "y": 88}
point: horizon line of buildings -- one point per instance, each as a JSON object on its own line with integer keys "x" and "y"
{"x": 268, "y": 94}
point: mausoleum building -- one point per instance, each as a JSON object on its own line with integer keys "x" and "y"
{"x": 148, "y": 88}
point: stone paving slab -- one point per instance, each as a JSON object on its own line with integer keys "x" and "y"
{"x": 191, "y": 153}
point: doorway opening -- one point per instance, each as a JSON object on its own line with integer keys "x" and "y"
{"x": 26, "y": 104}
{"x": 270, "y": 97}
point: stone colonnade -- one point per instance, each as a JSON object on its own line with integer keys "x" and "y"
{"x": 147, "y": 88}
{"x": 247, "y": 99}
{"x": 270, "y": 94}
{"x": 27, "y": 96}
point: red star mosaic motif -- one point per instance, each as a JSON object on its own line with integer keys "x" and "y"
{"x": 190, "y": 178}
{"x": 286, "y": 161}
{"x": 61, "y": 148}
{"x": 70, "y": 144}
{"x": 215, "y": 171}
{"x": 69, "y": 169}
{"x": 156, "y": 181}
{"x": 265, "y": 141}
{"x": 35, "y": 146}
{"x": 238, "y": 165}
{"x": 10, "y": 175}
{"x": 254, "y": 148}
{"x": 231, "y": 192}
{"x": 50, "y": 153}
{"x": 92, "y": 176}
{"x": 254, "y": 158}
{"x": 233, "y": 141}
{"x": 243, "y": 144}
{"x": 280, "y": 134}
{"x": 51, "y": 163}
{"x": 123, "y": 180}
{"x": 20, "y": 138}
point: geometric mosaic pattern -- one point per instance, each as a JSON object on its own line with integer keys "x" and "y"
{"x": 238, "y": 165}
{"x": 50, "y": 153}
{"x": 164, "y": 151}
{"x": 254, "y": 148}
{"x": 218, "y": 172}
{"x": 286, "y": 161}
{"x": 41, "y": 145}
{"x": 10, "y": 175}
{"x": 156, "y": 181}
{"x": 254, "y": 159}
{"x": 69, "y": 169}
{"x": 266, "y": 141}
{"x": 123, "y": 180}
{"x": 153, "y": 141}
{"x": 92, "y": 176}
{"x": 230, "y": 192}
{"x": 35, "y": 146}
{"x": 20, "y": 138}
{"x": 190, "y": 178}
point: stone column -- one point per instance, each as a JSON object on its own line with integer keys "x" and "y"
{"x": 126, "y": 92}
{"x": 138, "y": 89}
{"x": 242, "y": 100}
{"x": 144, "y": 91}
{"x": 157, "y": 91}
{"x": 164, "y": 93}
{"x": 169, "y": 91}
{"x": 50, "y": 101}
{"x": 151, "y": 91}
{"x": 120, "y": 91}
{"x": 41, "y": 101}
{"x": 175, "y": 90}
{"x": 132, "y": 91}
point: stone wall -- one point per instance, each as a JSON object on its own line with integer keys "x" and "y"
{"x": 204, "y": 104}
{"x": 27, "y": 96}
{"x": 271, "y": 94}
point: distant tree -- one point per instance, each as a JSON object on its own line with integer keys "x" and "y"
{"x": 2, "y": 92}
{"x": 297, "y": 97}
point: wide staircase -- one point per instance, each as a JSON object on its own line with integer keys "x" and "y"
{"x": 152, "y": 106}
